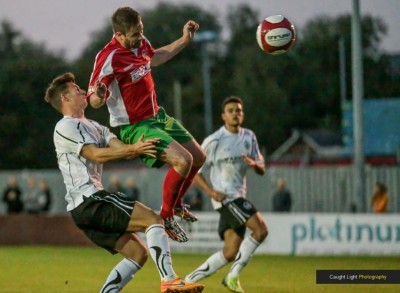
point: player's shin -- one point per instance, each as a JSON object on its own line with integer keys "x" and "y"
{"x": 172, "y": 184}
{"x": 246, "y": 251}
{"x": 158, "y": 245}
{"x": 186, "y": 184}
{"x": 120, "y": 275}
{"x": 209, "y": 267}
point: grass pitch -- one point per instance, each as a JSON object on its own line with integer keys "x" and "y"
{"x": 71, "y": 269}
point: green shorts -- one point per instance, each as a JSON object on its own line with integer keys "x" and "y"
{"x": 161, "y": 126}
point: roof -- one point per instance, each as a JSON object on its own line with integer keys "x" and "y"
{"x": 320, "y": 142}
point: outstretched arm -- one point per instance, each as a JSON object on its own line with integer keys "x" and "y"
{"x": 163, "y": 54}
{"x": 117, "y": 150}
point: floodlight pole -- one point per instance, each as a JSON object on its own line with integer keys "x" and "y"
{"x": 358, "y": 86}
{"x": 342, "y": 70}
{"x": 204, "y": 38}
{"x": 208, "y": 119}
{"x": 178, "y": 101}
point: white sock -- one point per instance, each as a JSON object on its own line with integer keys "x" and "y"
{"x": 158, "y": 245}
{"x": 210, "y": 266}
{"x": 120, "y": 275}
{"x": 246, "y": 251}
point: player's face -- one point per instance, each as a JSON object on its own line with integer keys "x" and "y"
{"x": 76, "y": 96}
{"x": 233, "y": 115}
{"x": 132, "y": 38}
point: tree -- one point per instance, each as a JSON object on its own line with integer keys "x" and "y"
{"x": 26, "y": 123}
{"x": 186, "y": 66}
{"x": 318, "y": 83}
{"x": 299, "y": 89}
{"x": 162, "y": 25}
{"x": 258, "y": 78}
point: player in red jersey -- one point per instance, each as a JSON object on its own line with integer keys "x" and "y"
{"x": 124, "y": 67}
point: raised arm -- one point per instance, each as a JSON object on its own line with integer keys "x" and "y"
{"x": 97, "y": 98}
{"x": 163, "y": 54}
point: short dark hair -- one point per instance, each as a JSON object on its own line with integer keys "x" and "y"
{"x": 124, "y": 18}
{"x": 231, "y": 99}
{"x": 57, "y": 87}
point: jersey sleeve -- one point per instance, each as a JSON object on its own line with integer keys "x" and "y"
{"x": 255, "y": 150}
{"x": 102, "y": 71}
{"x": 149, "y": 47}
{"x": 209, "y": 145}
{"x": 70, "y": 137}
{"x": 105, "y": 133}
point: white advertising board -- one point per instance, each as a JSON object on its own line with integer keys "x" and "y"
{"x": 307, "y": 234}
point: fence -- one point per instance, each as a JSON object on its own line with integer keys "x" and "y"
{"x": 314, "y": 189}
{"x": 330, "y": 189}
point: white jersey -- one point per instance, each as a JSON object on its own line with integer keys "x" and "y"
{"x": 81, "y": 177}
{"x": 227, "y": 169}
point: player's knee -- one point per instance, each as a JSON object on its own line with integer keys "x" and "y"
{"x": 145, "y": 256}
{"x": 230, "y": 257}
{"x": 264, "y": 234}
{"x": 200, "y": 158}
{"x": 185, "y": 161}
{"x": 230, "y": 253}
{"x": 155, "y": 219}
{"x": 260, "y": 234}
{"x": 140, "y": 258}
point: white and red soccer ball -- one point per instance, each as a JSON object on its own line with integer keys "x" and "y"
{"x": 276, "y": 34}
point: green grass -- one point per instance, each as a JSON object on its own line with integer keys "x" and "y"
{"x": 66, "y": 269}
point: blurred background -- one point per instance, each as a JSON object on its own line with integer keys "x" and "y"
{"x": 299, "y": 104}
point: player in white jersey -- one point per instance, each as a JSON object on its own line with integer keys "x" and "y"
{"x": 110, "y": 220}
{"x": 231, "y": 151}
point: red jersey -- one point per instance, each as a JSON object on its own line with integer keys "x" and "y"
{"x": 131, "y": 96}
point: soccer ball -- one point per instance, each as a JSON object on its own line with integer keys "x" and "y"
{"x": 275, "y": 34}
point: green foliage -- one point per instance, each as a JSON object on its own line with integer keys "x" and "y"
{"x": 317, "y": 73}
{"x": 186, "y": 66}
{"x": 27, "y": 122}
{"x": 299, "y": 89}
{"x": 83, "y": 269}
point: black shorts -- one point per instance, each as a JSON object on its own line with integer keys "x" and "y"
{"x": 234, "y": 215}
{"x": 104, "y": 217}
